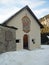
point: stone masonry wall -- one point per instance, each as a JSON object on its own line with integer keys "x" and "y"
{"x": 7, "y": 39}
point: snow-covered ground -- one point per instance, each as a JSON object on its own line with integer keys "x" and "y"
{"x": 25, "y": 57}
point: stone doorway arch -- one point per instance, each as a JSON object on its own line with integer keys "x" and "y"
{"x": 25, "y": 41}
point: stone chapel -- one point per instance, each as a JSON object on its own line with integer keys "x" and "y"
{"x": 28, "y": 34}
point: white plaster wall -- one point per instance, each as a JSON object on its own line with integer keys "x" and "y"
{"x": 34, "y": 30}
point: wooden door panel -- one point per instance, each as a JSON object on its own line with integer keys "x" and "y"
{"x": 25, "y": 41}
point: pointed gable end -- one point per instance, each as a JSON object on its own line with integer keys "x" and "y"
{"x": 26, "y": 7}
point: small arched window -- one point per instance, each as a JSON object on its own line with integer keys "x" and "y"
{"x": 26, "y": 24}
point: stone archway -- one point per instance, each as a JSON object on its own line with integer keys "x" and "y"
{"x": 25, "y": 41}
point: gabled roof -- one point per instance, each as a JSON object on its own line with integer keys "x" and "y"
{"x": 26, "y": 7}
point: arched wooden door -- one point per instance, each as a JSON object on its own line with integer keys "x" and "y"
{"x": 25, "y": 41}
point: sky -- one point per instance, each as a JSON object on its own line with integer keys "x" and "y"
{"x": 8, "y": 7}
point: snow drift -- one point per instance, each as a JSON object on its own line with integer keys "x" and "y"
{"x": 25, "y": 57}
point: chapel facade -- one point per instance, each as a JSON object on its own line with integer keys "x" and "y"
{"x": 28, "y": 35}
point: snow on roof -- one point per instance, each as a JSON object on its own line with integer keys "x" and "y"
{"x": 25, "y": 57}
